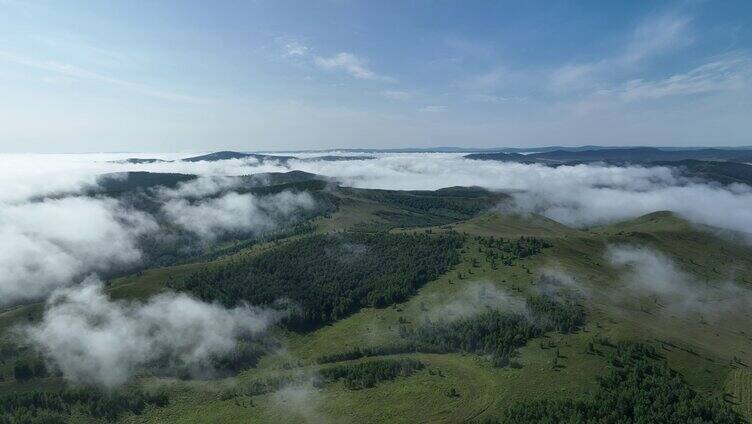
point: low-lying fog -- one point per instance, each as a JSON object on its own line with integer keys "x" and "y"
{"x": 49, "y": 243}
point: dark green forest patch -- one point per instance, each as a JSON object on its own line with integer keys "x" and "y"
{"x": 331, "y": 276}
{"x": 368, "y": 374}
{"x": 52, "y": 407}
{"x": 639, "y": 389}
{"x": 427, "y": 208}
{"x": 499, "y": 333}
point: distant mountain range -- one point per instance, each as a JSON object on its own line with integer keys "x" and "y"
{"x": 543, "y": 149}
{"x": 631, "y": 155}
{"x": 507, "y": 154}
{"x": 724, "y": 166}
{"x": 227, "y": 155}
{"x": 720, "y": 165}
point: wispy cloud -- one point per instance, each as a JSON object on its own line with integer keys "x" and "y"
{"x": 494, "y": 78}
{"x": 720, "y": 75}
{"x": 295, "y": 48}
{"x": 653, "y": 36}
{"x": 433, "y": 108}
{"x": 617, "y": 77}
{"x": 490, "y": 98}
{"x": 572, "y": 77}
{"x": 91, "y": 53}
{"x": 397, "y": 94}
{"x": 354, "y": 65}
{"x": 79, "y": 73}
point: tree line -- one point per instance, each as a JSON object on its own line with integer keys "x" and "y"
{"x": 53, "y": 407}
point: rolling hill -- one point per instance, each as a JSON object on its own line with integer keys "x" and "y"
{"x": 429, "y": 306}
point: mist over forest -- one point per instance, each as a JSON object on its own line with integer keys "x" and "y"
{"x": 353, "y": 211}
{"x": 131, "y": 276}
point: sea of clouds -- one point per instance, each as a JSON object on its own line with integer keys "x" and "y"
{"x": 576, "y": 195}
{"x": 49, "y": 239}
{"x": 52, "y": 238}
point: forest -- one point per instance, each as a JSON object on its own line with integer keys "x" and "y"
{"x": 328, "y": 277}
{"x": 640, "y": 388}
{"x": 498, "y": 333}
{"x": 171, "y": 244}
{"x": 53, "y": 407}
{"x": 359, "y": 250}
{"x": 368, "y": 374}
{"x": 436, "y": 207}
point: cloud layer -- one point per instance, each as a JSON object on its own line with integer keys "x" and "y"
{"x": 95, "y": 340}
{"x": 237, "y": 212}
{"x": 52, "y": 242}
{"x": 649, "y": 272}
{"x": 49, "y": 243}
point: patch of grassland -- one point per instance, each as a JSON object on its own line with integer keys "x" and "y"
{"x": 739, "y": 389}
{"x": 465, "y": 387}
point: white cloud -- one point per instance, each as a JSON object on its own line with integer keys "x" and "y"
{"x": 295, "y": 48}
{"x": 647, "y": 271}
{"x": 237, "y": 212}
{"x": 573, "y": 77}
{"x": 579, "y": 195}
{"x": 350, "y": 63}
{"x": 49, "y": 243}
{"x": 199, "y": 187}
{"x": 490, "y": 98}
{"x": 397, "y": 94}
{"x": 42, "y": 251}
{"x": 77, "y": 72}
{"x": 433, "y": 108}
{"x": 725, "y": 74}
{"x": 497, "y": 77}
{"x": 475, "y": 297}
{"x": 95, "y": 340}
{"x": 655, "y": 35}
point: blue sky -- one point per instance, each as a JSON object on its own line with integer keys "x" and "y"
{"x": 197, "y": 75}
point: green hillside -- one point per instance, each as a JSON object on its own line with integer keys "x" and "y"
{"x": 399, "y": 289}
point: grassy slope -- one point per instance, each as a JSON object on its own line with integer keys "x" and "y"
{"x": 701, "y": 352}
{"x": 484, "y": 391}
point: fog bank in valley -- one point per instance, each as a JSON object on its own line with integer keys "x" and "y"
{"x": 648, "y": 272}
{"x": 92, "y": 339}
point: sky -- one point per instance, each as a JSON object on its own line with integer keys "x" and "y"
{"x": 186, "y": 76}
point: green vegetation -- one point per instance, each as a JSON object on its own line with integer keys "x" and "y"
{"x": 48, "y": 407}
{"x": 368, "y": 374}
{"x": 362, "y": 283}
{"x": 561, "y": 314}
{"x": 499, "y": 250}
{"x": 123, "y": 182}
{"x": 637, "y": 390}
{"x": 330, "y": 276}
{"x": 26, "y": 369}
{"x": 172, "y": 245}
{"x": 404, "y": 346}
{"x": 425, "y": 208}
{"x": 493, "y": 333}
{"x": 499, "y": 333}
